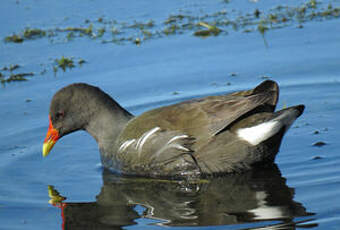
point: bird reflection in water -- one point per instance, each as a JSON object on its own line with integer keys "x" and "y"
{"x": 254, "y": 196}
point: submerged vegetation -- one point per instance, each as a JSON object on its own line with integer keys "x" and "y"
{"x": 12, "y": 72}
{"x": 7, "y": 75}
{"x": 27, "y": 34}
{"x": 66, "y": 63}
{"x": 201, "y": 25}
{"x": 213, "y": 24}
{"x": 210, "y": 30}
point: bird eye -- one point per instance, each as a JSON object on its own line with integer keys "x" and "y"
{"x": 59, "y": 115}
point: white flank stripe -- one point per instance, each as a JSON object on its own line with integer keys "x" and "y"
{"x": 176, "y": 138}
{"x": 143, "y": 139}
{"x": 180, "y": 147}
{"x": 173, "y": 145}
{"x": 125, "y": 145}
{"x": 256, "y": 134}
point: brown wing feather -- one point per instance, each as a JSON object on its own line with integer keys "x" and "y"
{"x": 203, "y": 118}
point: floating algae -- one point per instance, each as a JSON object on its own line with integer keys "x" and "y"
{"x": 214, "y": 23}
{"x": 218, "y": 23}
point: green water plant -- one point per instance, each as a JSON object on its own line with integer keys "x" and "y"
{"x": 15, "y": 77}
{"x": 81, "y": 62}
{"x": 65, "y": 63}
{"x": 262, "y": 28}
{"x": 70, "y": 36}
{"x": 27, "y": 34}
{"x": 101, "y": 32}
{"x": 210, "y": 30}
{"x": 14, "y": 38}
{"x": 200, "y": 24}
{"x": 81, "y": 31}
{"x": 8, "y": 74}
{"x": 171, "y": 29}
{"x": 33, "y": 33}
{"x": 11, "y": 67}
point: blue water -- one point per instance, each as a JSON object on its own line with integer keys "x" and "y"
{"x": 303, "y": 191}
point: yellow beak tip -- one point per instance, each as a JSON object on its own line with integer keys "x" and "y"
{"x": 44, "y": 154}
{"x": 47, "y": 148}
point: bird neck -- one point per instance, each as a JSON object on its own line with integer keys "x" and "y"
{"x": 106, "y": 123}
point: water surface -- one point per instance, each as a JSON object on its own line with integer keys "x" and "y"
{"x": 301, "y": 192}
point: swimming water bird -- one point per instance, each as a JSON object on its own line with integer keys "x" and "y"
{"x": 207, "y": 136}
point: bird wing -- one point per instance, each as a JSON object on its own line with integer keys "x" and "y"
{"x": 200, "y": 118}
{"x": 169, "y": 135}
{"x": 212, "y": 115}
{"x": 158, "y": 152}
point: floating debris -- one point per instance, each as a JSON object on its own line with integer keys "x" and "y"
{"x": 142, "y": 26}
{"x": 172, "y": 29}
{"x": 257, "y": 13}
{"x": 198, "y": 24}
{"x": 15, "y": 77}
{"x": 27, "y": 34}
{"x": 319, "y": 144}
{"x": 137, "y": 41}
{"x": 81, "y": 62}
{"x": 11, "y": 67}
{"x": 33, "y": 33}
{"x": 214, "y": 23}
{"x": 312, "y": 4}
{"x": 101, "y": 32}
{"x": 317, "y": 158}
{"x": 88, "y": 31}
{"x": 175, "y": 19}
{"x": 64, "y": 63}
{"x": 262, "y": 28}
{"x": 70, "y": 36}
{"x": 316, "y": 132}
{"x": 211, "y": 30}
{"x": 14, "y": 38}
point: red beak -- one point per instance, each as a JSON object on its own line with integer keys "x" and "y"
{"x": 51, "y": 138}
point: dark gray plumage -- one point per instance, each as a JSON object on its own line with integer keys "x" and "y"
{"x": 208, "y": 136}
